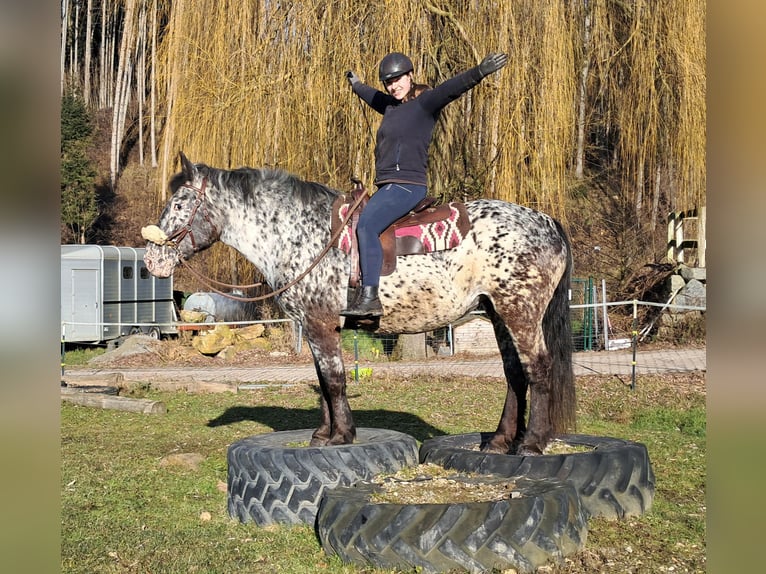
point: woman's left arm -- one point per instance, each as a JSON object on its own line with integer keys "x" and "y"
{"x": 456, "y": 86}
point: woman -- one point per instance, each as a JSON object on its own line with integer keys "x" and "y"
{"x": 410, "y": 112}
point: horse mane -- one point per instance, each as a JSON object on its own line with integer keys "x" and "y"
{"x": 248, "y": 181}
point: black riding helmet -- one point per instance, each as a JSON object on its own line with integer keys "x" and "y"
{"x": 394, "y": 65}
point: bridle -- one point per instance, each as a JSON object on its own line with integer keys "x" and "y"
{"x": 177, "y": 236}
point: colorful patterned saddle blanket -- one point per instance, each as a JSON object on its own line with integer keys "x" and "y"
{"x": 425, "y": 229}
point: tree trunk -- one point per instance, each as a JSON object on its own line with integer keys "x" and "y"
{"x": 411, "y": 347}
{"x": 655, "y": 200}
{"x": 64, "y": 20}
{"x": 141, "y": 79}
{"x": 104, "y": 401}
{"x": 152, "y": 87}
{"x": 88, "y": 54}
{"x": 639, "y": 197}
{"x": 74, "y": 62}
{"x": 102, "y": 84}
{"x": 122, "y": 90}
{"x": 583, "y": 99}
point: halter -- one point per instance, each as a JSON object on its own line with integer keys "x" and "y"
{"x": 177, "y": 236}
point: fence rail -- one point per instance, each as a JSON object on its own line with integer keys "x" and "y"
{"x": 594, "y": 333}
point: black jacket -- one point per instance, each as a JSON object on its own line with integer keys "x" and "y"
{"x": 404, "y": 135}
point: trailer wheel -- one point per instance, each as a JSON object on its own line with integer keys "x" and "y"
{"x": 614, "y": 477}
{"x": 154, "y": 333}
{"x": 134, "y": 331}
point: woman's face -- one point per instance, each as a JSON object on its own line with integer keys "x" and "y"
{"x": 399, "y": 87}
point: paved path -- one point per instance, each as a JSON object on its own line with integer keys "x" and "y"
{"x": 585, "y": 363}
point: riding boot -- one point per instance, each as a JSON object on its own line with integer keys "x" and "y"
{"x": 365, "y": 304}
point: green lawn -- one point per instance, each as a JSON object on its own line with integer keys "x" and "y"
{"x": 125, "y": 510}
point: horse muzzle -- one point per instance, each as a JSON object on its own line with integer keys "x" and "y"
{"x": 161, "y": 260}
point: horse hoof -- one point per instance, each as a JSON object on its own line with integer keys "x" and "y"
{"x": 494, "y": 448}
{"x": 340, "y": 440}
{"x": 318, "y": 441}
{"x": 529, "y": 450}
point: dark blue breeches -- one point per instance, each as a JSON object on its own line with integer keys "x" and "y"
{"x": 387, "y": 204}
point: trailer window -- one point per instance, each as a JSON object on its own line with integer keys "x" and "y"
{"x": 127, "y": 272}
{"x": 144, "y": 273}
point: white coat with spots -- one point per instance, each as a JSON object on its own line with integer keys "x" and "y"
{"x": 515, "y": 264}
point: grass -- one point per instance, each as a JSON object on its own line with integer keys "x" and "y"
{"x": 75, "y": 355}
{"x": 125, "y": 510}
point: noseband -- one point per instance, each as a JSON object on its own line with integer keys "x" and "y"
{"x": 177, "y": 236}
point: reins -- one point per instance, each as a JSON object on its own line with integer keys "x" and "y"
{"x": 208, "y": 282}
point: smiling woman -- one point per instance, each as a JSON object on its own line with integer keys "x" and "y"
{"x": 410, "y": 113}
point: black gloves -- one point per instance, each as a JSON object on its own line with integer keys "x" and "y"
{"x": 492, "y": 63}
{"x": 352, "y": 77}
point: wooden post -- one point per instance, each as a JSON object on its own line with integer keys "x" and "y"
{"x": 677, "y": 245}
{"x": 701, "y": 236}
{"x": 104, "y": 401}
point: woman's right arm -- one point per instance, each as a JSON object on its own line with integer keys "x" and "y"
{"x": 376, "y": 99}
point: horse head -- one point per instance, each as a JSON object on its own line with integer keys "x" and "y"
{"x": 185, "y": 225}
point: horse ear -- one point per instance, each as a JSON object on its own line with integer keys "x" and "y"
{"x": 187, "y": 167}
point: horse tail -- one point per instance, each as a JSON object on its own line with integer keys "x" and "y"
{"x": 557, "y": 330}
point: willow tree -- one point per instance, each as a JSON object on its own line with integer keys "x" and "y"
{"x": 647, "y": 102}
{"x": 262, "y": 84}
{"x": 592, "y": 86}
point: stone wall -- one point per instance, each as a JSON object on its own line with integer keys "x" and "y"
{"x": 690, "y": 287}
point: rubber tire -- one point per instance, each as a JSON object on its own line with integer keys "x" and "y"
{"x": 615, "y": 480}
{"x": 270, "y": 482}
{"x": 155, "y": 333}
{"x": 547, "y": 523}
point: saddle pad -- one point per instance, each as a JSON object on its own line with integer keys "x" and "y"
{"x": 432, "y": 229}
{"x": 438, "y": 235}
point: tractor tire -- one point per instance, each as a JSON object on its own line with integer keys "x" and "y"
{"x": 615, "y": 479}
{"x": 545, "y": 523}
{"x": 271, "y": 480}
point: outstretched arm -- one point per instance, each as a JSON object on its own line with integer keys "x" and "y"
{"x": 376, "y": 99}
{"x": 456, "y": 86}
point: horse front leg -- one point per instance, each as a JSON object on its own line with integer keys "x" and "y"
{"x": 321, "y": 435}
{"x": 336, "y": 425}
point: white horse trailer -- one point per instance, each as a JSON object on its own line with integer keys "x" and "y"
{"x": 107, "y": 293}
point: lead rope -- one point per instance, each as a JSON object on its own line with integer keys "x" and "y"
{"x": 207, "y": 282}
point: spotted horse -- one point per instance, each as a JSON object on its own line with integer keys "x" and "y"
{"x": 514, "y": 263}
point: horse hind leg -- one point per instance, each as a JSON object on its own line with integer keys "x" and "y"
{"x": 512, "y": 425}
{"x": 551, "y": 390}
{"x": 541, "y": 428}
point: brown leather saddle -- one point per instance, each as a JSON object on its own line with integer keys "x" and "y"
{"x": 425, "y": 229}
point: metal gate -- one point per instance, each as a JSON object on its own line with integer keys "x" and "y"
{"x": 583, "y": 318}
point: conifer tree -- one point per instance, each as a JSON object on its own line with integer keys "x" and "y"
{"x": 79, "y": 204}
